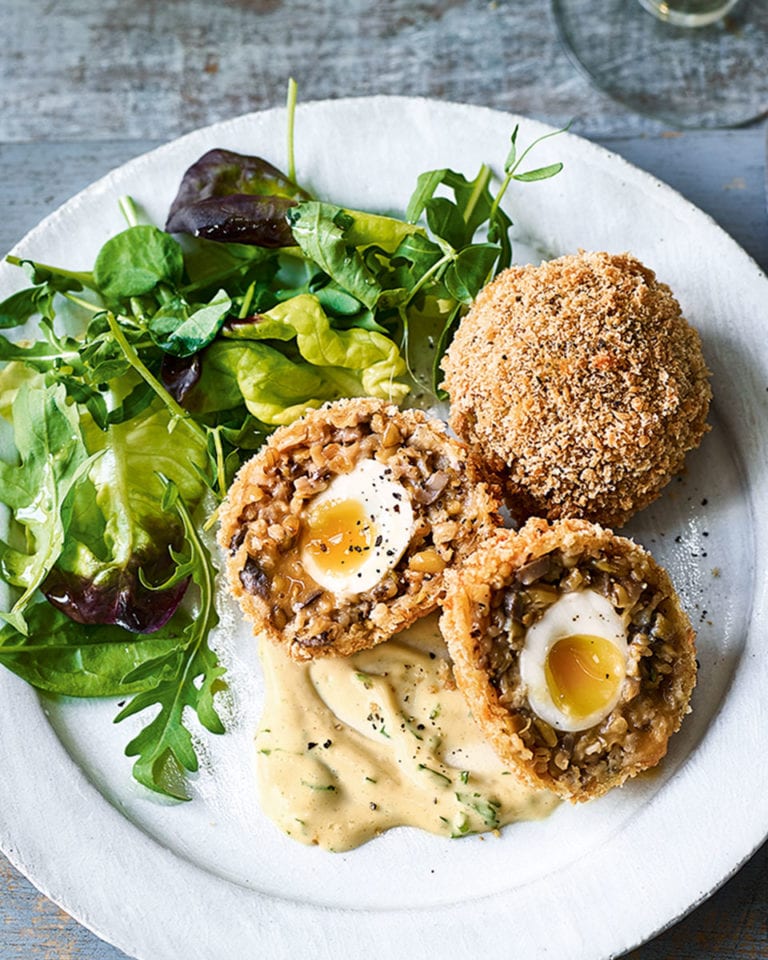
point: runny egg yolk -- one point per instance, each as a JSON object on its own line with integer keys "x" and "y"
{"x": 583, "y": 672}
{"x": 357, "y": 529}
{"x": 574, "y": 661}
{"x": 339, "y": 535}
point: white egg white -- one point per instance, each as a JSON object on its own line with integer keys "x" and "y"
{"x": 579, "y": 612}
{"x": 387, "y": 504}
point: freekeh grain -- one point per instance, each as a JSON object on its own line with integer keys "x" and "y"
{"x": 266, "y": 509}
{"x": 504, "y": 588}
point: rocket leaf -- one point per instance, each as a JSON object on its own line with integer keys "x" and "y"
{"x": 188, "y": 676}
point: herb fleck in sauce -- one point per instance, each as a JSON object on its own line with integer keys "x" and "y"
{"x": 350, "y": 747}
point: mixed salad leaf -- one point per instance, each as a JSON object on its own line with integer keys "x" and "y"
{"x": 256, "y": 303}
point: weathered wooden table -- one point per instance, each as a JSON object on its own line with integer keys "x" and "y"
{"x": 89, "y": 84}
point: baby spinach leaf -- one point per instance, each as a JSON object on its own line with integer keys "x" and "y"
{"x": 210, "y": 266}
{"x": 335, "y": 300}
{"x": 320, "y": 230}
{"x": 135, "y": 261}
{"x": 182, "y": 330}
{"x": 67, "y": 658}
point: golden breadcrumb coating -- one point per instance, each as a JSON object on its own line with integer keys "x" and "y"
{"x": 262, "y": 524}
{"x": 505, "y": 587}
{"x": 581, "y": 384}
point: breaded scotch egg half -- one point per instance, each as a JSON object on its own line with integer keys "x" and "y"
{"x": 581, "y": 384}
{"x": 573, "y": 652}
{"x": 339, "y": 530}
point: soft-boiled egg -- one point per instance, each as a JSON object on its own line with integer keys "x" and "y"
{"x": 574, "y": 661}
{"x": 357, "y": 529}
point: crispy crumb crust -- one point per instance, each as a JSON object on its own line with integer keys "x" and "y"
{"x": 262, "y": 518}
{"x": 581, "y": 384}
{"x": 507, "y": 585}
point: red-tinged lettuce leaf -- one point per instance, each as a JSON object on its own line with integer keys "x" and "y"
{"x": 179, "y": 374}
{"x": 119, "y": 538}
{"x": 220, "y": 172}
{"x": 118, "y": 596}
{"x": 232, "y": 197}
{"x": 236, "y": 219}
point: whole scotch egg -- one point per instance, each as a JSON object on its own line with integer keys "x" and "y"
{"x": 573, "y": 652}
{"x": 339, "y": 531}
{"x": 581, "y": 384}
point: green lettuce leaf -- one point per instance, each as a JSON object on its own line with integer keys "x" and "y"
{"x": 290, "y": 360}
{"x": 354, "y": 362}
{"x": 53, "y": 457}
{"x": 275, "y": 389}
{"x": 320, "y": 231}
{"x": 119, "y": 535}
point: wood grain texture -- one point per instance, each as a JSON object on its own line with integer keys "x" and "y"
{"x": 83, "y": 70}
{"x": 34, "y": 928}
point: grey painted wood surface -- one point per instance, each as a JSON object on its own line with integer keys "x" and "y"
{"x": 106, "y": 69}
{"x": 88, "y": 84}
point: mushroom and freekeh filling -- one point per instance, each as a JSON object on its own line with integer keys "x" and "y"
{"x": 338, "y": 532}
{"x": 573, "y": 652}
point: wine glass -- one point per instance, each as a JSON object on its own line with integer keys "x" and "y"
{"x": 690, "y": 63}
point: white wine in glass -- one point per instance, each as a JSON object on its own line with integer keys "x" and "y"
{"x": 689, "y": 63}
{"x": 689, "y": 13}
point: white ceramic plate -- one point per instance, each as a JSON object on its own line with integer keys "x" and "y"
{"x": 213, "y": 878}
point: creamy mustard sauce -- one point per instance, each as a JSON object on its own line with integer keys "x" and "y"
{"x": 350, "y": 747}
